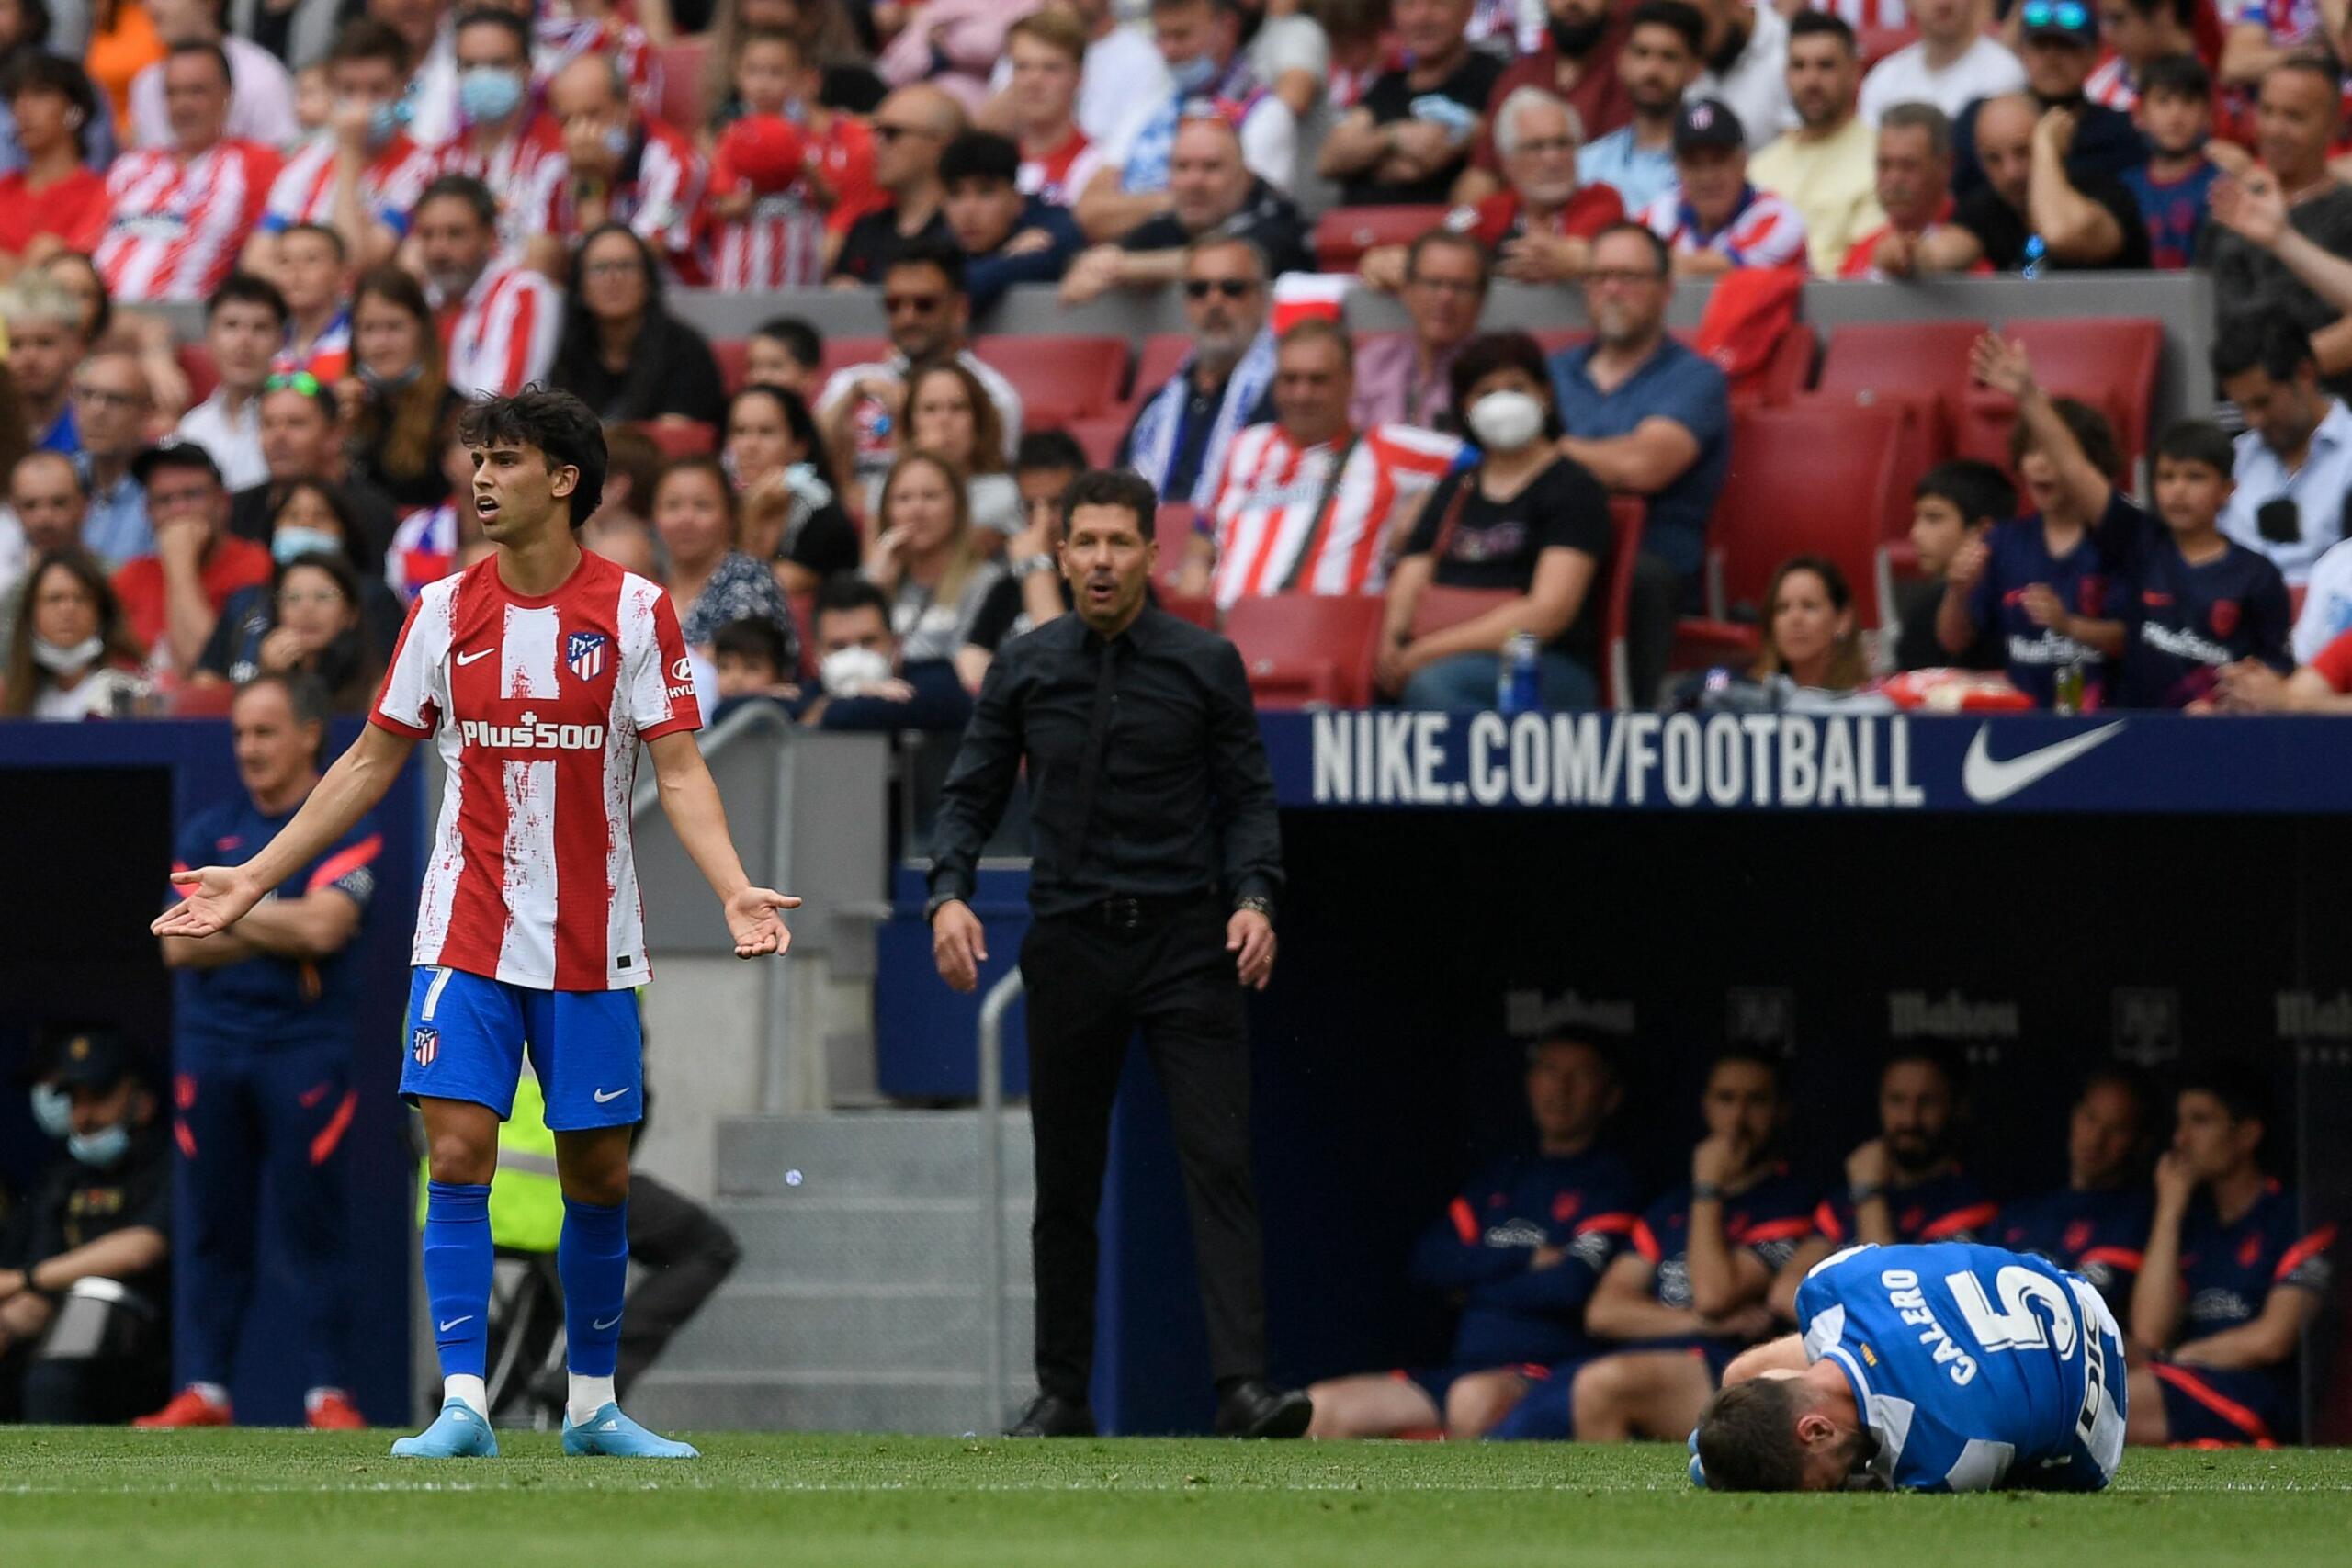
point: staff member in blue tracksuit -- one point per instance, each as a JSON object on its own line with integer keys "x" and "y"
{"x": 261, "y": 1093}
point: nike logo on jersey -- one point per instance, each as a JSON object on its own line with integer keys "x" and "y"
{"x": 606, "y": 1323}
{"x": 606, "y": 1096}
{"x": 466, "y": 658}
{"x": 1988, "y": 780}
{"x": 453, "y": 1323}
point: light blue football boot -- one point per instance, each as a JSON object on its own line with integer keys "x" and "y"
{"x": 608, "y": 1432}
{"x": 455, "y": 1433}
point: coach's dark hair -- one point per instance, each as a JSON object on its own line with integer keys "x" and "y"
{"x": 1115, "y": 487}
{"x": 465, "y": 188}
{"x": 248, "y": 288}
{"x": 2086, "y": 425}
{"x": 559, "y": 424}
{"x": 1977, "y": 490}
{"x": 1748, "y": 1438}
{"x": 1489, "y": 352}
{"x": 2240, "y": 1088}
{"x": 2271, "y": 343}
{"x": 2199, "y": 441}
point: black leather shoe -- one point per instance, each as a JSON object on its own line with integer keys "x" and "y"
{"x": 1257, "y": 1409}
{"x": 1050, "y": 1416}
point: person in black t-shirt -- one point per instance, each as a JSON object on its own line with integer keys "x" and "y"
{"x": 1413, "y": 131}
{"x": 622, "y": 353}
{"x": 911, "y": 128}
{"x": 2034, "y": 212}
{"x": 100, "y": 1214}
{"x": 1524, "y": 519}
{"x": 1953, "y": 502}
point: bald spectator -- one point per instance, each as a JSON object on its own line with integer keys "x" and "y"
{"x": 111, "y": 403}
{"x": 1576, "y": 63}
{"x": 1183, "y": 427}
{"x": 1914, "y": 188}
{"x": 1826, "y": 167}
{"x": 178, "y": 215}
{"x": 1659, "y": 62}
{"x": 46, "y": 340}
{"x": 1212, "y": 191}
{"x": 171, "y": 599}
{"x": 1406, "y": 377}
{"x": 261, "y": 103}
{"x": 2061, "y": 47}
{"x": 1745, "y": 45}
{"x": 1414, "y": 130}
{"x": 911, "y": 128}
{"x": 1713, "y": 220}
{"x": 46, "y": 503}
{"x": 2034, "y": 214}
{"x": 1954, "y": 63}
{"x": 621, "y": 165}
{"x": 1200, "y": 41}
{"x": 2297, "y": 121}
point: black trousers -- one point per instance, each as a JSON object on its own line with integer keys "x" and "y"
{"x": 1091, "y": 986}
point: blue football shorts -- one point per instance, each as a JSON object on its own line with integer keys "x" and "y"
{"x": 466, "y": 1035}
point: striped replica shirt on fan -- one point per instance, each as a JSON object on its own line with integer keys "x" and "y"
{"x": 1280, "y": 524}
{"x": 327, "y": 356}
{"x": 388, "y": 186}
{"x": 658, "y": 197}
{"x": 1059, "y": 176}
{"x": 522, "y": 171}
{"x": 538, "y": 706}
{"x": 503, "y": 338}
{"x": 175, "y": 226}
{"x": 1763, "y": 229}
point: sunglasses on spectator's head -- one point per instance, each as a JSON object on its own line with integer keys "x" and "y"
{"x": 1231, "y": 287}
{"x": 2071, "y": 15}
{"x": 300, "y": 381}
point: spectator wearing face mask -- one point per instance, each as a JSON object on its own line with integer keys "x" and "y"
{"x": 327, "y": 620}
{"x": 72, "y": 655}
{"x": 363, "y": 178}
{"x": 506, "y": 139}
{"x": 864, "y": 680}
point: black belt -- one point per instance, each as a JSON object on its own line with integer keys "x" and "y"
{"x": 1134, "y": 914}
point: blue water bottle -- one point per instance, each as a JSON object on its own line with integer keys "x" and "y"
{"x": 1517, "y": 689}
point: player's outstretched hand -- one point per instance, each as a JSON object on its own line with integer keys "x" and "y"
{"x": 212, "y": 898}
{"x": 753, "y": 921}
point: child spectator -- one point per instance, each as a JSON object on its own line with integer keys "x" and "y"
{"x": 769, "y": 196}
{"x": 2193, "y": 603}
{"x": 751, "y": 655}
{"x": 1006, "y": 237}
{"x": 1953, "y": 505}
{"x": 787, "y": 353}
{"x": 2040, "y": 582}
{"x": 2176, "y": 114}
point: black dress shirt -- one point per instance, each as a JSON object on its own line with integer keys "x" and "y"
{"x": 1182, "y": 802}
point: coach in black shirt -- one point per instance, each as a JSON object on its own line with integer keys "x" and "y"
{"x": 1157, "y": 862}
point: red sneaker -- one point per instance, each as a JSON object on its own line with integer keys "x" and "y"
{"x": 334, "y": 1411}
{"x": 188, "y": 1408}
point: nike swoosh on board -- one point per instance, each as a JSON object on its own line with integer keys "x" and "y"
{"x": 1988, "y": 780}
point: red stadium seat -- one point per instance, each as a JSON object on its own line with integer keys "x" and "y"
{"x": 804, "y": 616}
{"x": 1808, "y": 480}
{"x": 1440, "y": 607}
{"x": 1197, "y": 608}
{"x": 195, "y": 364}
{"x": 1156, "y": 361}
{"x": 680, "y": 438}
{"x": 1169, "y": 529}
{"x": 841, "y": 352}
{"x": 734, "y": 361}
{"x": 1099, "y": 437}
{"x": 1783, "y": 377}
{"x": 1307, "y": 649}
{"x": 201, "y": 699}
{"x": 2108, "y": 363}
{"x": 681, "y": 102}
{"x": 1626, "y": 515}
{"x": 1344, "y": 233}
{"x": 1060, "y": 378}
{"x": 1919, "y": 368}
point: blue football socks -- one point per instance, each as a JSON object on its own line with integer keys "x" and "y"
{"x": 458, "y": 1262}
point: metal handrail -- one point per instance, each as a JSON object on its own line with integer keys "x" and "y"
{"x": 745, "y": 720}
{"x": 995, "y": 1397}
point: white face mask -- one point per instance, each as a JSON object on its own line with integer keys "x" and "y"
{"x": 853, "y": 671}
{"x": 69, "y": 657}
{"x": 1506, "y": 421}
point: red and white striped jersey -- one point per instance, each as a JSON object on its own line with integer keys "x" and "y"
{"x": 504, "y": 336}
{"x": 659, "y": 199}
{"x": 523, "y": 171}
{"x": 537, "y": 706}
{"x": 2110, "y": 84}
{"x": 562, "y": 40}
{"x": 780, "y": 244}
{"x": 174, "y": 228}
{"x": 1059, "y": 176}
{"x": 390, "y": 184}
{"x": 1764, "y": 231}
{"x": 328, "y": 357}
{"x": 1861, "y": 14}
{"x": 1272, "y": 489}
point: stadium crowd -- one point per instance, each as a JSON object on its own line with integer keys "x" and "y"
{"x": 385, "y": 208}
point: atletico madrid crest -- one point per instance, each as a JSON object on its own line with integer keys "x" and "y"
{"x": 585, "y": 652}
{"x": 426, "y": 1044}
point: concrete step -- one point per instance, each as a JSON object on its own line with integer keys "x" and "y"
{"x": 810, "y": 1239}
{"x": 821, "y": 1401}
{"x": 755, "y": 1331}
{"x": 902, "y": 1153}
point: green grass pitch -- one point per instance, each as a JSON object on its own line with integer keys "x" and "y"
{"x": 274, "y": 1499}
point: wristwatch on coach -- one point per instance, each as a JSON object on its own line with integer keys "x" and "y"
{"x": 1258, "y": 904}
{"x": 1029, "y": 566}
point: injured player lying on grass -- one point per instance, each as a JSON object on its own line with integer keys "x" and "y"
{"x": 1941, "y": 1368}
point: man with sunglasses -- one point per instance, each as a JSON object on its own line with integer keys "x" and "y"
{"x": 244, "y": 322}
{"x": 1211, "y": 191}
{"x": 911, "y": 129}
{"x": 2061, "y": 47}
{"x": 923, "y": 294}
{"x": 1183, "y": 429}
